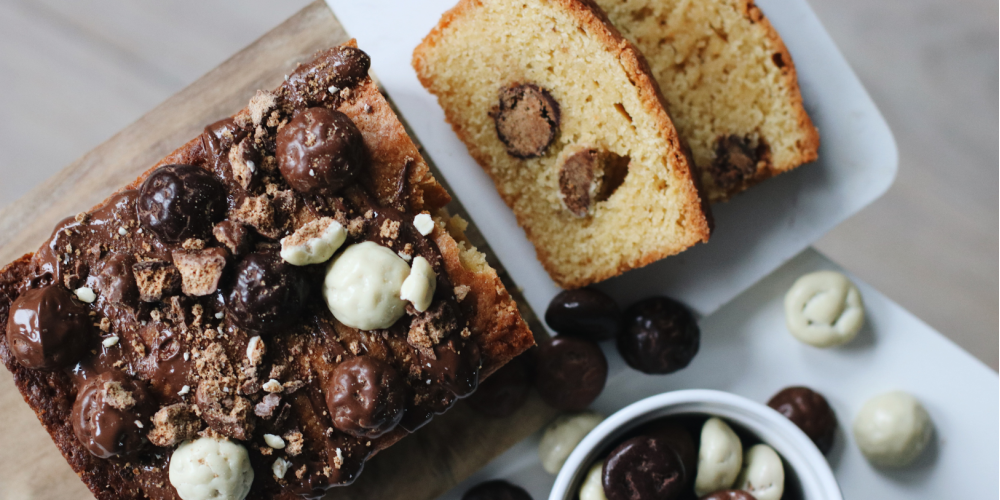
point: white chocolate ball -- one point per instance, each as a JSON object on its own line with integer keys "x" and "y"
{"x": 362, "y": 286}
{"x": 561, "y": 437}
{"x": 892, "y": 429}
{"x": 419, "y": 286}
{"x": 763, "y": 475}
{"x": 720, "y": 457}
{"x": 313, "y": 243}
{"x": 824, "y": 309}
{"x": 593, "y": 485}
{"x": 210, "y": 469}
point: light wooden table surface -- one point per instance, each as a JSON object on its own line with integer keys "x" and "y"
{"x": 74, "y": 72}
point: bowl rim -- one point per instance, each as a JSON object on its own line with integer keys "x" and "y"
{"x": 813, "y": 471}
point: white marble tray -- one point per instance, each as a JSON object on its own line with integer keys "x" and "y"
{"x": 747, "y": 350}
{"x": 755, "y": 233}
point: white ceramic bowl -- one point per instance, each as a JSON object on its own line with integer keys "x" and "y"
{"x": 814, "y": 477}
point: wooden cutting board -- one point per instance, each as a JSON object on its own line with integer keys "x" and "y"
{"x": 422, "y": 466}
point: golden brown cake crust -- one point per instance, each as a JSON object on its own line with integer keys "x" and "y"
{"x": 497, "y": 327}
{"x": 683, "y": 42}
{"x": 696, "y": 213}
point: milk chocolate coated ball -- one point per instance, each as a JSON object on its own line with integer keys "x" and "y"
{"x": 570, "y": 372}
{"x": 321, "y": 151}
{"x": 48, "y": 329}
{"x": 111, "y": 415}
{"x": 809, "y": 411}
{"x": 585, "y": 313}
{"x": 366, "y": 397}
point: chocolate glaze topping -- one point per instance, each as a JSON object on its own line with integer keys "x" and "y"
{"x": 47, "y": 328}
{"x": 199, "y": 350}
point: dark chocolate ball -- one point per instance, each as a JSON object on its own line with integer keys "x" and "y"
{"x": 810, "y": 411}
{"x": 586, "y": 313}
{"x": 177, "y": 202}
{"x": 321, "y": 151}
{"x": 503, "y": 392}
{"x": 659, "y": 336}
{"x": 680, "y": 440}
{"x": 111, "y": 415}
{"x": 366, "y": 397}
{"x": 728, "y": 495}
{"x": 496, "y": 490}
{"x": 268, "y": 292}
{"x": 643, "y": 468}
{"x": 570, "y": 372}
{"x": 48, "y": 329}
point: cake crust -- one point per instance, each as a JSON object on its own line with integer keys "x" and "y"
{"x": 680, "y": 40}
{"x": 496, "y": 326}
{"x": 695, "y": 212}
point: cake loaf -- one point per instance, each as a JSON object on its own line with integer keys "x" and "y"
{"x": 563, "y": 113}
{"x": 730, "y": 86}
{"x": 263, "y": 310}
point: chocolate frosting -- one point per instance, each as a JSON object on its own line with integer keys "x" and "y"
{"x": 47, "y": 328}
{"x": 105, "y": 424}
{"x": 163, "y": 342}
{"x": 366, "y": 397}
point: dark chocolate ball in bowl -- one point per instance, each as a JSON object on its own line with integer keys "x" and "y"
{"x": 320, "y": 152}
{"x": 643, "y": 468}
{"x": 496, "y": 490}
{"x": 504, "y": 392}
{"x": 584, "y": 312}
{"x": 48, "y": 329}
{"x": 366, "y": 397}
{"x": 681, "y": 441}
{"x": 809, "y": 411}
{"x": 570, "y": 372}
{"x": 268, "y": 292}
{"x": 177, "y": 202}
{"x": 659, "y": 336}
{"x": 728, "y": 495}
{"x": 111, "y": 415}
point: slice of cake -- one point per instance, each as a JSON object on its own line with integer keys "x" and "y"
{"x": 563, "y": 114}
{"x": 262, "y": 311}
{"x": 730, "y": 86}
